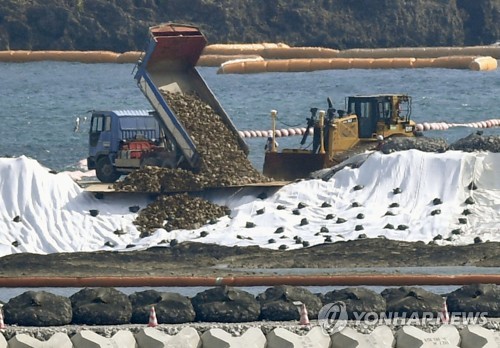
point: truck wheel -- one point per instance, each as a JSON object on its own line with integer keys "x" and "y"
{"x": 105, "y": 171}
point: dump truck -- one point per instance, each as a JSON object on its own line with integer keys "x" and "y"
{"x": 126, "y": 140}
{"x": 338, "y": 134}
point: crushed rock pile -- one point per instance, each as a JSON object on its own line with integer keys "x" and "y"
{"x": 419, "y": 143}
{"x": 179, "y": 211}
{"x": 473, "y": 142}
{"x": 223, "y": 163}
{"x": 477, "y": 142}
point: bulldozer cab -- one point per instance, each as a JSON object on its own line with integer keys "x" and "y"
{"x": 378, "y": 114}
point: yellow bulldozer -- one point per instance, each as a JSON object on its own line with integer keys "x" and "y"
{"x": 338, "y": 134}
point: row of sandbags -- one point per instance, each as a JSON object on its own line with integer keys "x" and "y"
{"x": 249, "y": 66}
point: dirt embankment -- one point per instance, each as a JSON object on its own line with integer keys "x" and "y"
{"x": 189, "y": 258}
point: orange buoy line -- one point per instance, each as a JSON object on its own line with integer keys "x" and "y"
{"x": 307, "y": 280}
{"x": 425, "y": 126}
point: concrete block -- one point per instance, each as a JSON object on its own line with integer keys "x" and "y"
{"x": 475, "y": 336}
{"x": 218, "y": 338}
{"x": 149, "y": 337}
{"x": 381, "y": 337}
{"x": 58, "y": 340}
{"x": 282, "y": 338}
{"x": 411, "y": 337}
{"x": 3, "y": 341}
{"x": 90, "y": 339}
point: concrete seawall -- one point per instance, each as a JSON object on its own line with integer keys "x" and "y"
{"x": 258, "y": 334}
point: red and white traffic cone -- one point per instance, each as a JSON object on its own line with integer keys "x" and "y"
{"x": 304, "y": 319}
{"x": 445, "y": 316}
{"x": 2, "y": 324}
{"x": 153, "y": 322}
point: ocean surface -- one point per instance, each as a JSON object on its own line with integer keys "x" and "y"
{"x": 41, "y": 100}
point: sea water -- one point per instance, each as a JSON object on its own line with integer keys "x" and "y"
{"x": 40, "y": 101}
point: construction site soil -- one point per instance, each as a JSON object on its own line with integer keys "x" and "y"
{"x": 198, "y": 259}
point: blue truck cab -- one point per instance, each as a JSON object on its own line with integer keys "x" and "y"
{"x": 118, "y": 140}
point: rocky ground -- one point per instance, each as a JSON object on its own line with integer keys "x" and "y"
{"x": 199, "y": 259}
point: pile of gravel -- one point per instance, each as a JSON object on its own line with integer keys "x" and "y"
{"x": 477, "y": 142}
{"x": 223, "y": 163}
{"x": 473, "y": 142}
{"x": 419, "y": 143}
{"x": 179, "y": 211}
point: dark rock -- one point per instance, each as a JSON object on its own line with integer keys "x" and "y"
{"x": 296, "y": 212}
{"x": 355, "y": 205}
{"x": 410, "y": 300}
{"x": 280, "y": 230}
{"x": 277, "y": 303}
{"x": 119, "y": 232}
{"x": 389, "y": 213}
{"x": 326, "y": 205}
{"x": 358, "y": 187}
{"x": 174, "y": 242}
{"x": 324, "y": 229}
{"x": 328, "y": 239}
{"x": 271, "y": 241}
{"x": 437, "y": 201}
{"x": 281, "y": 207}
{"x": 456, "y": 231}
{"x": 360, "y": 216}
{"x": 109, "y": 244}
{"x": 250, "y": 224}
{"x": 340, "y": 220}
{"x": 476, "y": 298}
{"x": 362, "y": 236}
{"x": 170, "y": 308}
{"x": 402, "y": 227}
{"x": 462, "y": 221}
{"x": 469, "y": 200}
{"x": 329, "y": 217}
{"x": 359, "y": 228}
{"x": 357, "y": 300}
{"x": 389, "y": 226}
{"x": 477, "y": 240}
{"x": 100, "y": 306}
{"x": 438, "y": 237}
{"x": 466, "y": 212}
{"x": 301, "y": 205}
{"x": 226, "y": 305}
{"x": 436, "y": 212}
{"x": 305, "y": 244}
{"x": 304, "y": 222}
{"x": 134, "y": 209}
{"x": 283, "y": 246}
{"x": 203, "y": 234}
{"x": 38, "y": 308}
{"x": 396, "y": 191}
{"x": 262, "y": 195}
{"x": 298, "y": 240}
{"x": 15, "y": 243}
{"x": 16, "y": 218}
{"x": 472, "y": 186}
{"x": 394, "y": 205}
{"x": 260, "y": 211}
{"x": 94, "y": 212}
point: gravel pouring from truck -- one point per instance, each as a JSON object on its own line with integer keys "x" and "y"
{"x": 168, "y": 65}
